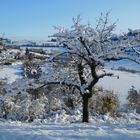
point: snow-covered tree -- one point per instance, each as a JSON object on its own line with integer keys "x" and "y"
{"x": 88, "y": 49}
{"x": 135, "y": 41}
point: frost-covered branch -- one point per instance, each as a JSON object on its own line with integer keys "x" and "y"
{"x": 105, "y": 74}
{"x": 138, "y": 52}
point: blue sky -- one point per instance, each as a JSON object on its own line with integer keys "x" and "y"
{"x": 34, "y": 19}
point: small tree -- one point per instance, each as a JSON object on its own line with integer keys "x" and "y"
{"x": 88, "y": 48}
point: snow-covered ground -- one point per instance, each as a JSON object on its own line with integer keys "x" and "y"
{"x": 75, "y": 131}
{"x": 10, "y": 73}
{"x": 122, "y": 84}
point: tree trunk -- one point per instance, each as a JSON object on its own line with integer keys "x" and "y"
{"x": 85, "y": 109}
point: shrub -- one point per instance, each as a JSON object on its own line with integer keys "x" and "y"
{"x": 110, "y": 103}
{"x": 71, "y": 98}
{"x": 104, "y": 101}
{"x": 2, "y": 90}
{"x": 134, "y": 99}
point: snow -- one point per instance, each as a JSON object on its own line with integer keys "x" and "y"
{"x": 11, "y": 72}
{"x": 122, "y": 84}
{"x": 74, "y": 131}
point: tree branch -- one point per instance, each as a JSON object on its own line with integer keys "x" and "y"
{"x": 105, "y": 74}
{"x": 122, "y": 58}
{"x": 84, "y": 45}
{"x": 72, "y": 53}
{"x": 59, "y": 83}
{"x": 138, "y": 52}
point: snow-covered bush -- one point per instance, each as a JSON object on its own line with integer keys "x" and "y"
{"x": 134, "y": 99}
{"x": 110, "y": 103}
{"x": 37, "y": 108}
{"x": 60, "y": 97}
{"x": 2, "y": 90}
{"x": 22, "y": 109}
{"x": 104, "y": 101}
{"x": 8, "y": 108}
{"x": 18, "y": 104}
{"x": 23, "y": 100}
{"x": 71, "y": 99}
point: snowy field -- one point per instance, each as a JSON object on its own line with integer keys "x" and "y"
{"x": 119, "y": 85}
{"x": 75, "y": 131}
{"x": 122, "y": 84}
